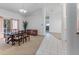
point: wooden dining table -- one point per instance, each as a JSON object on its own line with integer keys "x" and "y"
{"x": 19, "y": 37}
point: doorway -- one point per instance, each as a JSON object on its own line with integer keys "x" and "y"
{"x": 47, "y": 24}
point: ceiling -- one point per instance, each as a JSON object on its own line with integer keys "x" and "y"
{"x": 30, "y": 7}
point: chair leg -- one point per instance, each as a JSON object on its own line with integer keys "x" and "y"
{"x": 7, "y": 40}
{"x": 25, "y": 39}
{"x": 19, "y": 42}
{"x": 13, "y": 43}
{"x": 29, "y": 38}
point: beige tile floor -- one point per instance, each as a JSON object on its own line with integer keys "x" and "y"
{"x": 57, "y": 35}
{"x": 52, "y": 46}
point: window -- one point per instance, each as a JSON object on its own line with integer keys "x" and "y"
{"x": 15, "y": 24}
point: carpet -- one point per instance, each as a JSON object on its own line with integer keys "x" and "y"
{"x": 28, "y": 48}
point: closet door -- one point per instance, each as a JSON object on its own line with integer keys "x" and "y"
{"x": 1, "y": 28}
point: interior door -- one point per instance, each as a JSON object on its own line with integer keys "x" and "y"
{"x": 1, "y": 28}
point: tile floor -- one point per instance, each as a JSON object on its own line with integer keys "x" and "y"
{"x": 52, "y": 46}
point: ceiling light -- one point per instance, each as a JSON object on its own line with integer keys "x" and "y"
{"x": 47, "y": 24}
{"x": 22, "y": 10}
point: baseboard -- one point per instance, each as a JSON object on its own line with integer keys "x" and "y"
{"x": 40, "y": 35}
{"x": 55, "y": 32}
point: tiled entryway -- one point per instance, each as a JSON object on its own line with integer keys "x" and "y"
{"x": 52, "y": 46}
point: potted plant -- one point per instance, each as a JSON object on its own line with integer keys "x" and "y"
{"x": 25, "y": 23}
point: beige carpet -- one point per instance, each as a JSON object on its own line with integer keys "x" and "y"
{"x": 28, "y": 48}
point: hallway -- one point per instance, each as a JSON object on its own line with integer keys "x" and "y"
{"x": 52, "y": 46}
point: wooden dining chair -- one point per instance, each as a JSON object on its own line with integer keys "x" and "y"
{"x": 17, "y": 38}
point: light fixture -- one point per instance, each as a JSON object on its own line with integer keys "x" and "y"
{"x": 22, "y": 10}
{"x": 47, "y": 24}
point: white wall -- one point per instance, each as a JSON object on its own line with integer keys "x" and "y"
{"x": 9, "y": 14}
{"x": 55, "y": 18}
{"x": 78, "y": 18}
{"x": 72, "y": 37}
{"x": 35, "y": 21}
